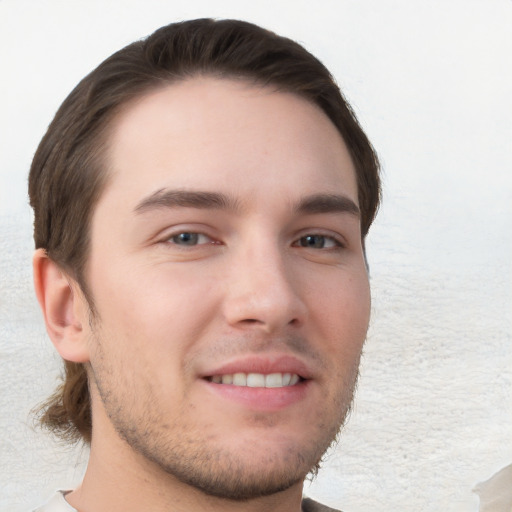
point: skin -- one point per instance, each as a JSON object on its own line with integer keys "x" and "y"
{"x": 256, "y": 282}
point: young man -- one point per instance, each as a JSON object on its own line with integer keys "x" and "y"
{"x": 201, "y": 201}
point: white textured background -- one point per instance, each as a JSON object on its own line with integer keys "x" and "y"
{"x": 431, "y": 82}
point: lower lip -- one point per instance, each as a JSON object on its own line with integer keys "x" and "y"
{"x": 261, "y": 399}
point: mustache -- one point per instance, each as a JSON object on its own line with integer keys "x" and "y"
{"x": 250, "y": 344}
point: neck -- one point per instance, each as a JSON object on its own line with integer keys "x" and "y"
{"x": 120, "y": 479}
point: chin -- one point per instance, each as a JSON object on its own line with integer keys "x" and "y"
{"x": 238, "y": 480}
{"x": 248, "y": 468}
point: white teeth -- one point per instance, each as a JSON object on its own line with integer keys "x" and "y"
{"x": 294, "y": 379}
{"x": 257, "y": 380}
{"x": 227, "y": 379}
{"x": 240, "y": 379}
{"x": 274, "y": 380}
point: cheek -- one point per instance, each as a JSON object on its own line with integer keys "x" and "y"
{"x": 157, "y": 306}
{"x": 344, "y": 313}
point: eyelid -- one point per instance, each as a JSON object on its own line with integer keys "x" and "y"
{"x": 339, "y": 241}
{"x": 166, "y": 236}
{"x": 172, "y": 238}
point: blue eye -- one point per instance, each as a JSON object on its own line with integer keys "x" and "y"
{"x": 187, "y": 239}
{"x": 317, "y": 242}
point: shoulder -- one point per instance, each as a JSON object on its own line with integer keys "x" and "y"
{"x": 57, "y": 503}
{"x": 309, "y": 505}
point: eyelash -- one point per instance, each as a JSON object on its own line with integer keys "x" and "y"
{"x": 337, "y": 244}
{"x": 195, "y": 237}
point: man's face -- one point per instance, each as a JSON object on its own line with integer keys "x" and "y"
{"x": 230, "y": 287}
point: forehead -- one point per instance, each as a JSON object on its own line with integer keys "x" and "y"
{"x": 216, "y": 133}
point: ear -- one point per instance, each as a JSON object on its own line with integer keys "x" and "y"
{"x": 64, "y": 308}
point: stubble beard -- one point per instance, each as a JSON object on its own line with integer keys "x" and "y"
{"x": 185, "y": 453}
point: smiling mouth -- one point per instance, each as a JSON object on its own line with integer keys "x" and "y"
{"x": 257, "y": 380}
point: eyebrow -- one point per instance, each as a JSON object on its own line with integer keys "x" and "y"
{"x": 328, "y": 203}
{"x": 314, "y": 204}
{"x": 165, "y": 198}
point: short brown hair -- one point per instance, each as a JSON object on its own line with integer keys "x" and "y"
{"x": 67, "y": 175}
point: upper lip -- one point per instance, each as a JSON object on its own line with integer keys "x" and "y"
{"x": 265, "y": 364}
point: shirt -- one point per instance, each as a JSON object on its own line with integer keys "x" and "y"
{"x": 59, "y": 504}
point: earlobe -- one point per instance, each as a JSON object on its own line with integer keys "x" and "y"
{"x": 63, "y": 306}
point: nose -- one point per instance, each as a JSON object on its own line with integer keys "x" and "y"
{"x": 263, "y": 292}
